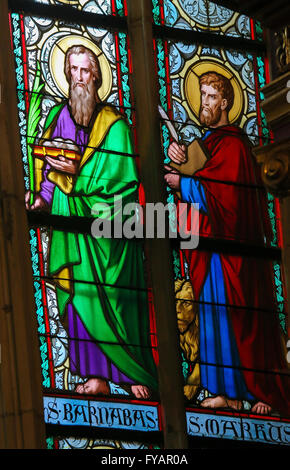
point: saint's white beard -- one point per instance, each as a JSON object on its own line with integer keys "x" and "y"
{"x": 82, "y": 102}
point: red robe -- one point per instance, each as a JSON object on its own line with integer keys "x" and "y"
{"x": 236, "y": 212}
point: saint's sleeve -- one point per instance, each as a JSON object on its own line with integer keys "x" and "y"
{"x": 229, "y": 186}
{"x": 192, "y": 191}
{"x": 46, "y": 186}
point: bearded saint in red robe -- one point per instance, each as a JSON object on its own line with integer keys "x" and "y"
{"x": 241, "y": 353}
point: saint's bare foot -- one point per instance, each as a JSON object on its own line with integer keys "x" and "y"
{"x": 140, "y": 391}
{"x": 261, "y": 408}
{"x": 221, "y": 402}
{"x": 94, "y": 386}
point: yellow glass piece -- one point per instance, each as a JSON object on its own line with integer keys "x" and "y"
{"x": 63, "y": 279}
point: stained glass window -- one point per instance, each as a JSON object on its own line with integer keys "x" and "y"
{"x": 201, "y": 15}
{"x": 226, "y": 313}
{"x": 100, "y": 444}
{"x": 100, "y": 7}
{"x": 179, "y": 97}
{"x": 94, "y": 305}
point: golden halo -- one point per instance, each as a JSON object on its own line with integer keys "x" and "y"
{"x": 192, "y": 89}
{"x": 56, "y": 64}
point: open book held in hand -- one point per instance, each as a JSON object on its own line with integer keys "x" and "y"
{"x": 196, "y": 152}
{"x": 196, "y": 159}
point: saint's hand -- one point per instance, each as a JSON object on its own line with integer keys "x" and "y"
{"x": 177, "y": 153}
{"x": 39, "y": 203}
{"x": 65, "y": 165}
{"x": 172, "y": 178}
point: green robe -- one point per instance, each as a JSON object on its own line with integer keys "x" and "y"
{"x": 116, "y": 318}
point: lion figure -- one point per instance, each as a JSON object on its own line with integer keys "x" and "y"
{"x": 187, "y": 321}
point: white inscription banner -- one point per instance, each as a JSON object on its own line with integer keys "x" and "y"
{"x": 100, "y": 414}
{"x": 238, "y": 428}
{"x": 143, "y": 417}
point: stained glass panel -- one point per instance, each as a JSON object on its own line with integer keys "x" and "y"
{"x": 55, "y": 61}
{"x": 100, "y": 7}
{"x": 180, "y": 66}
{"x": 100, "y": 444}
{"x": 213, "y": 323}
{"x": 201, "y": 15}
{"x": 209, "y": 99}
{"x": 102, "y": 373}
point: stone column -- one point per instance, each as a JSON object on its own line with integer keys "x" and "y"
{"x": 159, "y": 250}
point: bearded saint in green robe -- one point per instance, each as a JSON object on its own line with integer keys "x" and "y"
{"x": 100, "y": 283}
